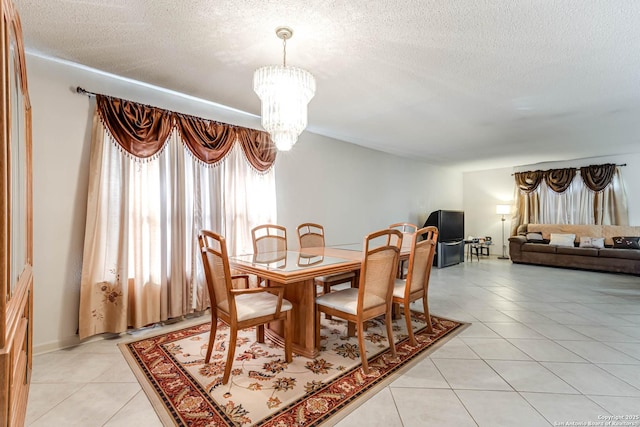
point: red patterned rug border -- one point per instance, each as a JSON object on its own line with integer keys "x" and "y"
{"x": 345, "y": 391}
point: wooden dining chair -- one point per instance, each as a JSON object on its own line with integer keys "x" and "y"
{"x": 268, "y": 238}
{"x": 407, "y": 229}
{"x": 239, "y": 308}
{"x": 416, "y": 285}
{"x": 311, "y": 235}
{"x": 372, "y": 297}
{"x": 404, "y": 227}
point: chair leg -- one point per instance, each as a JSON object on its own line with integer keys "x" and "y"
{"x": 395, "y": 310}
{"x": 351, "y": 329}
{"x": 407, "y": 318}
{"x": 212, "y": 339}
{"x": 427, "y": 316}
{"x": 326, "y": 289}
{"x": 363, "y": 352}
{"x": 233, "y": 335}
{"x": 260, "y": 334}
{"x": 288, "y": 336}
{"x": 392, "y": 344}
{"x": 317, "y": 320}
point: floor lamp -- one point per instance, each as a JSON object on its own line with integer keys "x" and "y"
{"x": 503, "y": 210}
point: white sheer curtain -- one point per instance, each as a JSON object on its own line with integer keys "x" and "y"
{"x": 574, "y": 206}
{"x": 141, "y": 261}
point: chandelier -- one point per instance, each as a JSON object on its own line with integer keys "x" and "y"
{"x": 285, "y": 92}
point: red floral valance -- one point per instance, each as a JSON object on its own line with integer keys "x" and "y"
{"x": 595, "y": 177}
{"x": 142, "y": 131}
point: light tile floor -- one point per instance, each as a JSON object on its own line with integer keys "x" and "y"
{"x": 546, "y": 347}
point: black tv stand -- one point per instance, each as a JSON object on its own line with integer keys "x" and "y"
{"x": 449, "y": 253}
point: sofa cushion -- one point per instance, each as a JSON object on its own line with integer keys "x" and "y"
{"x": 619, "y": 253}
{"x": 534, "y": 247}
{"x": 577, "y": 251}
{"x": 626, "y": 242}
{"x": 591, "y": 242}
{"x": 535, "y": 238}
{"x": 558, "y": 239}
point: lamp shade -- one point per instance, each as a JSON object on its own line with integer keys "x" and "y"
{"x": 503, "y": 209}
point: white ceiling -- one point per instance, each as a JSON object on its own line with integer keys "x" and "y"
{"x": 469, "y": 84}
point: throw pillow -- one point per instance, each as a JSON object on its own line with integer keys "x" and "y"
{"x": 626, "y": 242}
{"x": 562, "y": 239}
{"x": 592, "y": 242}
{"x": 534, "y": 238}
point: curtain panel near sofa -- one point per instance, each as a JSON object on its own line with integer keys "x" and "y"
{"x": 156, "y": 179}
{"x": 592, "y": 194}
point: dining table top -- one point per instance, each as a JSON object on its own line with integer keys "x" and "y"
{"x": 303, "y": 264}
{"x": 295, "y": 265}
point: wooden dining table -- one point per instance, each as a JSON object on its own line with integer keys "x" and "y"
{"x": 296, "y": 270}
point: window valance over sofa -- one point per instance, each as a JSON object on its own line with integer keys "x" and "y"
{"x": 142, "y": 131}
{"x": 595, "y": 177}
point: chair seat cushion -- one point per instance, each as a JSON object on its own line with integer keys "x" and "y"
{"x": 250, "y": 306}
{"x": 398, "y": 288}
{"x": 337, "y": 278}
{"x": 347, "y": 300}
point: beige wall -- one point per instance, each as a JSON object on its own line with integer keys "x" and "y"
{"x": 482, "y": 192}
{"x": 352, "y": 190}
{"x": 349, "y": 189}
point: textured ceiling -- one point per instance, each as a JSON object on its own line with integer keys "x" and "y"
{"x": 470, "y": 84}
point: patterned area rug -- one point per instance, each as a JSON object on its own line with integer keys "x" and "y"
{"x": 263, "y": 389}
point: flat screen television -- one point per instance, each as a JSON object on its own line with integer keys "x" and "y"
{"x": 450, "y": 224}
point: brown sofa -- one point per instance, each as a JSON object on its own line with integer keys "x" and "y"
{"x": 610, "y": 259}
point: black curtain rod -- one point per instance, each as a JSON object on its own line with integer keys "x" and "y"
{"x": 83, "y": 91}
{"x": 623, "y": 164}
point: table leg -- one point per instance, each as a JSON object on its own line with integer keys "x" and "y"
{"x": 302, "y": 296}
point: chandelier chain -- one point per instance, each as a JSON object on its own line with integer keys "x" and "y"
{"x": 284, "y": 51}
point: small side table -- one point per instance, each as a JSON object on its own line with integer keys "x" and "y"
{"x": 477, "y": 248}
{"x": 473, "y": 247}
